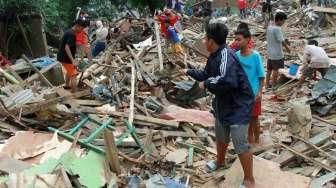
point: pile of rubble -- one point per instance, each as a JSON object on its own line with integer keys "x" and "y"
{"x": 137, "y": 122}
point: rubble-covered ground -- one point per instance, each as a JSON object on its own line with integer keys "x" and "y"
{"x": 136, "y": 122}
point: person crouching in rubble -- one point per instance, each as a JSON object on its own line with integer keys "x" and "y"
{"x": 224, "y": 76}
{"x": 252, "y": 63}
{"x": 315, "y": 59}
{"x": 66, "y": 54}
{"x": 100, "y": 42}
{"x": 168, "y": 21}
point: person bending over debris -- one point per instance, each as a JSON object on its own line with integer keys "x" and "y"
{"x": 314, "y": 59}
{"x": 275, "y": 44}
{"x": 66, "y": 54}
{"x": 252, "y": 63}
{"x": 100, "y": 42}
{"x": 224, "y": 76}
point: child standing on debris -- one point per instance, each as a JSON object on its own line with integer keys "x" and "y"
{"x": 224, "y": 76}
{"x": 315, "y": 59}
{"x": 66, "y": 54}
{"x": 253, "y": 65}
{"x": 275, "y": 44}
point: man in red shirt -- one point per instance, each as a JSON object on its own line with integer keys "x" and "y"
{"x": 242, "y": 4}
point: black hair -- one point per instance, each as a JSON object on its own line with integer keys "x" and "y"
{"x": 217, "y": 31}
{"x": 81, "y": 22}
{"x": 313, "y": 42}
{"x": 243, "y": 26}
{"x": 280, "y": 16}
{"x": 244, "y": 32}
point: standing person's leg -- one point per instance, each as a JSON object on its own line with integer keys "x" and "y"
{"x": 269, "y": 73}
{"x": 222, "y": 142}
{"x": 276, "y": 64}
{"x": 71, "y": 73}
{"x": 254, "y": 127}
{"x": 242, "y": 148}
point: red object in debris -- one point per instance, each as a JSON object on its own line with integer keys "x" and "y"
{"x": 276, "y": 98}
{"x": 4, "y": 61}
{"x": 203, "y": 118}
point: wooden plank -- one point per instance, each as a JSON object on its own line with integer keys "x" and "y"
{"x": 140, "y": 118}
{"x": 325, "y": 10}
{"x": 158, "y": 42}
{"x": 308, "y": 158}
{"x": 131, "y": 114}
{"x": 89, "y": 102}
{"x": 112, "y": 152}
{"x": 300, "y": 146}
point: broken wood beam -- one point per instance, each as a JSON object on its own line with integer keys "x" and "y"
{"x": 137, "y": 118}
{"x": 307, "y": 158}
{"x": 112, "y": 152}
{"x": 300, "y": 146}
{"x": 158, "y": 42}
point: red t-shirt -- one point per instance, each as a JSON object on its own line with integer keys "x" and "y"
{"x": 242, "y": 4}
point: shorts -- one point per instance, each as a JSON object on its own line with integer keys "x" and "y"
{"x": 309, "y": 72}
{"x": 256, "y": 111}
{"x": 238, "y": 134}
{"x": 275, "y": 64}
{"x": 70, "y": 69}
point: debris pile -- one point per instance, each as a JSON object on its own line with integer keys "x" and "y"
{"x": 136, "y": 121}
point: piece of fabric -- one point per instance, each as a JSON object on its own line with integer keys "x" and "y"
{"x": 254, "y": 68}
{"x": 70, "y": 69}
{"x": 275, "y": 64}
{"x": 224, "y": 76}
{"x": 317, "y": 57}
{"x": 69, "y": 38}
{"x": 238, "y": 133}
{"x": 275, "y": 38}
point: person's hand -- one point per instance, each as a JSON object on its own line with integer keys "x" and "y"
{"x": 201, "y": 85}
{"x": 74, "y": 62}
{"x": 184, "y": 72}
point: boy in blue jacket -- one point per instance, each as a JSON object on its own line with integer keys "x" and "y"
{"x": 224, "y": 76}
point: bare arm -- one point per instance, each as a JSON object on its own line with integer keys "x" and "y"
{"x": 68, "y": 52}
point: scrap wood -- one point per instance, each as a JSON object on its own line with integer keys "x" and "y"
{"x": 323, "y": 120}
{"x": 43, "y": 78}
{"x": 325, "y": 10}
{"x": 137, "y": 118}
{"x": 112, "y": 152}
{"x": 158, "y": 42}
{"x": 315, "y": 147}
{"x": 308, "y": 158}
{"x": 300, "y": 146}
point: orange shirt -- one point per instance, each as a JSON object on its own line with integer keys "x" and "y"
{"x": 82, "y": 38}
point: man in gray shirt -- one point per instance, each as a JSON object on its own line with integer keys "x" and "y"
{"x": 275, "y": 44}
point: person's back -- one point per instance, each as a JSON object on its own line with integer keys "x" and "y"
{"x": 317, "y": 56}
{"x": 274, "y": 37}
{"x": 69, "y": 38}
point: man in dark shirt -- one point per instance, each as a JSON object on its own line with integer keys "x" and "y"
{"x": 67, "y": 51}
{"x": 224, "y": 76}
